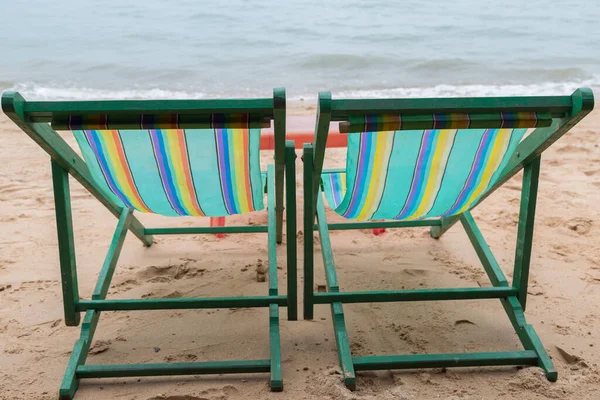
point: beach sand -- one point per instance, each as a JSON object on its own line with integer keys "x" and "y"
{"x": 563, "y": 303}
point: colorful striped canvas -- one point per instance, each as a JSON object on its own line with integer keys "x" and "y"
{"x": 380, "y": 123}
{"x": 158, "y": 121}
{"x": 407, "y": 175}
{"x": 177, "y": 172}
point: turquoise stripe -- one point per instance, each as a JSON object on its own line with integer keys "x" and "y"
{"x": 202, "y": 153}
{"x": 466, "y": 143}
{"x": 336, "y": 187}
{"x": 331, "y": 187}
{"x": 480, "y": 160}
{"x": 138, "y": 146}
{"x": 401, "y": 167}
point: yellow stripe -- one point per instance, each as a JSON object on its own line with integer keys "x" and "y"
{"x": 438, "y": 165}
{"x": 178, "y": 170}
{"x": 239, "y": 189}
{"x": 118, "y": 168}
{"x": 377, "y": 180}
{"x": 498, "y": 151}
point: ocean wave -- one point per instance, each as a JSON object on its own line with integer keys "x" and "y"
{"x": 56, "y": 92}
{"x": 342, "y": 61}
{"x": 37, "y": 92}
{"x": 538, "y": 89}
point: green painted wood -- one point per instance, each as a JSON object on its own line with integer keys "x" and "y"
{"x": 326, "y": 250}
{"x": 540, "y": 139}
{"x": 343, "y": 346}
{"x": 445, "y": 360}
{"x": 42, "y": 111}
{"x": 169, "y": 369}
{"x": 544, "y": 360}
{"x": 552, "y": 104}
{"x": 446, "y": 223}
{"x": 333, "y": 170}
{"x": 70, "y": 382}
{"x": 383, "y": 224}
{"x": 309, "y": 217}
{"x": 180, "y": 303}
{"x": 581, "y": 103}
{"x": 525, "y": 229}
{"x": 528, "y": 337}
{"x": 567, "y": 111}
{"x": 493, "y": 270}
{"x": 32, "y": 117}
{"x": 356, "y": 124}
{"x": 337, "y": 312}
{"x": 66, "y": 244}
{"x": 60, "y": 122}
{"x": 201, "y": 230}
{"x": 112, "y": 256}
{"x": 276, "y": 381}
{"x": 13, "y": 105}
{"x": 272, "y": 233}
{"x": 291, "y": 245}
{"x": 380, "y": 296}
{"x": 279, "y": 131}
{"x": 516, "y": 316}
{"x": 320, "y": 141}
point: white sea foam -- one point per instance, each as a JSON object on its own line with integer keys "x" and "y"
{"x": 541, "y": 89}
{"x": 40, "y": 92}
{"x": 55, "y": 92}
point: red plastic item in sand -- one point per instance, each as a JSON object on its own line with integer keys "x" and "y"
{"x": 218, "y": 221}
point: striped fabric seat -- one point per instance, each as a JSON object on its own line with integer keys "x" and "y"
{"x": 408, "y": 175}
{"x": 177, "y": 172}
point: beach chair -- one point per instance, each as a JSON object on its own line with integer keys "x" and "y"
{"x": 175, "y": 158}
{"x": 428, "y": 162}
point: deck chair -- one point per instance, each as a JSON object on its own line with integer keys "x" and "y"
{"x": 175, "y": 158}
{"x": 428, "y": 162}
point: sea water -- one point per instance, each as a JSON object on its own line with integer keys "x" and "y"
{"x": 234, "y": 48}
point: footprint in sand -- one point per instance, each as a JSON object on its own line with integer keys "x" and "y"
{"x": 580, "y": 226}
{"x": 569, "y": 148}
{"x": 209, "y": 394}
{"x": 124, "y": 286}
{"x": 186, "y": 357}
{"x": 563, "y": 251}
{"x": 38, "y": 285}
{"x": 168, "y": 273}
{"x": 591, "y": 172}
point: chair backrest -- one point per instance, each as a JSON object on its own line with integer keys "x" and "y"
{"x": 196, "y": 172}
{"x": 413, "y": 159}
{"x": 174, "y": 158}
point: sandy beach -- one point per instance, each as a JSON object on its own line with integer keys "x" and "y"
{"x": 563, "y": 303}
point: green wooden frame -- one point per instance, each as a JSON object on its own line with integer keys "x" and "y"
{"x": 566, "y": 112}
{"x": 34, "y": 119}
